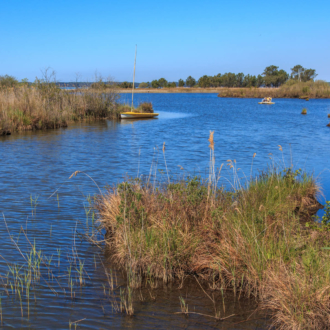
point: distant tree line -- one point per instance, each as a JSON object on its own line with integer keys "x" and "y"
{"x": 271, "y": 77}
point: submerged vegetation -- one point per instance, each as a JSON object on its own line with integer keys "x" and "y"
{"x": 257, "y": 240}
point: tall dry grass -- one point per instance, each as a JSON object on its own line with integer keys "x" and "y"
{"x": 257, "y": 240}
{"x": 291, "y": 89}
{"x": 143, "y": 107}
{"x": 46, "y": 106}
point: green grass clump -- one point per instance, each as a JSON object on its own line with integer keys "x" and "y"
{"x": 260, "y": 240}
{"x": 304, "y": 111}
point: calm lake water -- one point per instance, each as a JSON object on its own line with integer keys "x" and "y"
{"x": 41, "y": 206}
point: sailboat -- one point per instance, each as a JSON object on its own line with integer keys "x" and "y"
{"x": 135, "y": 115}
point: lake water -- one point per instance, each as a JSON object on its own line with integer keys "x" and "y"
{"x": 38, "y": 200}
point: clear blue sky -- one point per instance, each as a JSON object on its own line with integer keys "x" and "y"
{"x": 175, "y": 38}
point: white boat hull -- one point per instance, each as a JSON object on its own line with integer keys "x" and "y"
{"x": 132, "y": 115}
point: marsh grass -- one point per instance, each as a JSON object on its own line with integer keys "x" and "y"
{"x": 257, "y": 239}
{"x": 44, "y": 106}
{"x": 304, "y": 111}
{"x": 304, "y": 90}
{"x": 145, "y": 107}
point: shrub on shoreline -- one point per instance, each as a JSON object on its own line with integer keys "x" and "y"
{"x": 291, "y": 89}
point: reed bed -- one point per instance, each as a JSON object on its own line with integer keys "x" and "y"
{"x": 257, "y": 240}
{"x": 46, "y": 106}
{"x": 304, "y": 90}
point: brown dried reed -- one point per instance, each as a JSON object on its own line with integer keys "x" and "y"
{"x": 46, "y": 106}
{"x": 251, "y": 240}
{"x": 317, "y": 89}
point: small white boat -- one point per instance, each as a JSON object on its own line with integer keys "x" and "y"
{"x": 266, "y": 100}
{"x": 136, "y": 115}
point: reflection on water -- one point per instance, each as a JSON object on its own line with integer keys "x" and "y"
{"x": 35, "y": 164}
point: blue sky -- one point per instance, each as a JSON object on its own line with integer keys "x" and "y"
{"x": 175, "y": 38}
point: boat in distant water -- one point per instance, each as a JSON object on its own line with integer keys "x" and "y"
{"x": 135, "y": 115}
{"x": 266, "y": 100}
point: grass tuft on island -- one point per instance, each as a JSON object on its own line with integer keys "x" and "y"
{"x": 259, "y": 240}
{"x": 291, "y": 89}
{"x": 143, "y": 107}
{"x": 44, "y": 105}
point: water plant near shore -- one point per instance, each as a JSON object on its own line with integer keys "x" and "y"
{"x": 256, "y": 239}
{"x": 44, "y": 105}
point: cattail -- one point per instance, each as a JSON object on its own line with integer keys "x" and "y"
{"x": 211, "y": 146}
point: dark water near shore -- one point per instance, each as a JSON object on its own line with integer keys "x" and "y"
{"x": 34, "y": 164}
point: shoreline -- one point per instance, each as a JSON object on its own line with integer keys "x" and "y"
{"x": 234, "y": 92}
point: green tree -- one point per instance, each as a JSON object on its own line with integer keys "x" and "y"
{"x": 270, "y": 74}
{"x": 229, "y": 79}
{"x": 126, "y": 84}
{"x": 250, "y": 81}
{"x": 309, "y": 74}
{"x": 216, "y": 81}
{"x": 144, "y": 85}
{"x": 190, "y": 81}
{"x": 239, "y": 79}
{"x": 296, "y": 72}
{"x": 155, "y": 84}
{"x": 162, "y": 82}
{"x": 204, "y": 81}
{"x": 282, "y": 77}
{"x": 260, "y": 80}
{"x": 171, "y": 84}
{"x": 274, "y": 77}
{"x": 181, "y": 82}
{"x": 8, "y": 81}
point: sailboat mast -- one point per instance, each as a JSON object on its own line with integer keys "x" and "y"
{"x": 134, "y": 78}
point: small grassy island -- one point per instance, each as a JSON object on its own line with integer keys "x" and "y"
{"x": 259, "y": 240}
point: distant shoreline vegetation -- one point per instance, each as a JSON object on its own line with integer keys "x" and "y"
{"x": 273, "y": 82}
{"x": 271, "y": 77}
{"x": 43, "y": 105}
